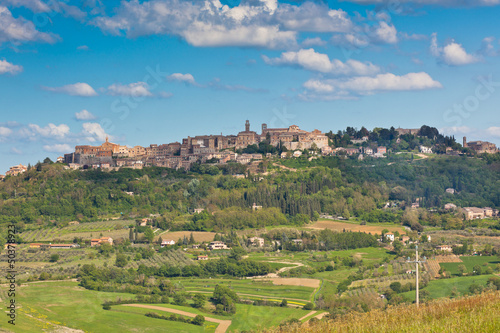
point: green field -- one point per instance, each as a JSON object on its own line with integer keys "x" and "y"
{"x": 246, "y": 286}
{"x": 45, "y": 306}
{"x": 470, "y": 262}
{"x": 42, "y": 306}
{"x": 445, "y": 287}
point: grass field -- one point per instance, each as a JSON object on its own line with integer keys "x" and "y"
{"x": 351, "y": 226}
{"x": 444, "y": 287}
{"x": 45, "y": 306}
{"x": 248, "y": 287}
{"x": 470, "y": 262}
{"x": 199, "y": 236}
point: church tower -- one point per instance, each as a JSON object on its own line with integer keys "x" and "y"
{"x": 465, "y": 142}
{"x": 247, "y": 126}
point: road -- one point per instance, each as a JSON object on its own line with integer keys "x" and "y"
{"x": 223, "y": 324}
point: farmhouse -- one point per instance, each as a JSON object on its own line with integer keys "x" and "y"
{"x": 389, "y": 236}
{"x": 102, "y": 240}
{"x": 167, "y": 242}
{"x": 63, "y": 246}
{"x": 217, "y": 245}
{"x": 256, "y": 241}
{"x": 35, "y": 245}
{"x": 202, "y": 257}
{"x": 446, "y": 248}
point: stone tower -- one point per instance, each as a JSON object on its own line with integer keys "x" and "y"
{"x": 264, "y": 128}
{"x": 465, "y": 142}
{"x": 247, "y": 126}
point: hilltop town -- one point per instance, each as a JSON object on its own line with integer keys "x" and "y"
{"x": 250, "y": 146}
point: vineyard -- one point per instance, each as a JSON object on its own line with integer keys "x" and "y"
{"x": 171, "y": 258}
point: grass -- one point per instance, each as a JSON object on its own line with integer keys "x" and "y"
{"x": 469, "y": 263}
{"x": 469, "y": 314}
{"x": 445, "y": 287}
{"x": 45, "y": 305}
{"x": 373, "y": 228}
{"x": 247, "y": 286}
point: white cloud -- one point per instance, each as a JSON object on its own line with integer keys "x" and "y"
{"x": 137, "y": 89}
{"x": 456, "y": 130}
{"x": 188, "y": 78}
{"x": 319, "y": 62}
{"x": 83, "y": 48}
{"x": 18, "y": 30}
{"x": 386, "y": 33}
{"x": 77, "y": 89}
{"x": 7, "y": 67}
{"x": 165, "y": 94}
{"x": 365, "y": 85}
{"x": 16, "y": 151}
{"x": 493, "y": 131}
{"x": 252, "y": 23}
{"x": 58, "y": 148}
{"x": 444, "y": 3}
{"x": 316, "y": 41}
{"x": 488, "y": 48}
{"x": 381, "y": 32}
{"x": 49, "y": 131}
{"x": 84, "y": 115}
{"x": 452, "y": 54}
{"x": 5, "y": 131}
{"x": 93, "y": 132}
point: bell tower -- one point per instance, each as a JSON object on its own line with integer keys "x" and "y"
{"x": 247, "y": 126}
{"x": 465, "y": 142}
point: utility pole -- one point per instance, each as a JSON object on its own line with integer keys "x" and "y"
{"x": 416, "y": 261}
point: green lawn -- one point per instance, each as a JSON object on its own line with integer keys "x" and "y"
{"x": 43, "y": 305}
{"x": 444, "y": 287}
{"x": 470, "y": 262}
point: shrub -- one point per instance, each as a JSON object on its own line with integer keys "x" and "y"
{"x": 308, "y": 306}
{"x": 198, "y": 320}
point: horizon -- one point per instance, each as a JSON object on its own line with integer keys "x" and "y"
{"x": 159, "y": 71}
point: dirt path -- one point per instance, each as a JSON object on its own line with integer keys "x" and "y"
{"x": 223, "y": 324}
{"x": 284, "y": 167}
{"x": 281, "y": 270}
{"x": 253, "y": 295}
{"x": 307, "y": 315}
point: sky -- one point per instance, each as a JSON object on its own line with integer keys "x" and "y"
{"x": 143, "y": 72}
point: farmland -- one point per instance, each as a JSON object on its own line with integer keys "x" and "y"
{"x": 469, "y": 262}
{"x": 348, "y": 226}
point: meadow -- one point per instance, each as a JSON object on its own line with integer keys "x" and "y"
{"x": 469, "y": 262}
{"x": 373, "y": 228}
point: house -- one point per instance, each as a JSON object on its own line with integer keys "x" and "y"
{"x": 450, "y": 190}
{"x": 167, "y": 242}
{"x": 73, "y": 223}
{"x": 425, "y": 150}
{"x": 415, "y": 205}
{"x": 405, "y": 239}
{"x": 102, "y": 240}
{"x": 409, "y": 271}
{"x": 445, "y": 248}
{"x": 368, "y": 151}
{"x": 63, "y": 246}
{"x": 297, "y": 153}
{"x": 382, "y": 150}
{"x": 202, "y": 257}
{"x": 144, "y": 222}
{"x": 450, "y": 206}
{"x": 35, "y": 245}
{"x": 217, "y": 245}
{"x": 297, "y": 241}
{"x": 257, "y": 241}
{"x": 283, "y": 154}
{"x": 327, "y": 150}
{"x": 195, "y": 246}
{"x": 473, "y": 213}
{"x": 199, "y": 210}
{"x": 255, "y": 207}
{"x": 488, "y": 212}
{"x": 389, "y": 236}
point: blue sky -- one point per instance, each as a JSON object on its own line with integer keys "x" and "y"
{"x": 142, "y": 72}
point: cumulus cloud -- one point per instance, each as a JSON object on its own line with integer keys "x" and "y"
{"x": 380, "y": 32}
{"x": 93, "y": 132}
{"x": 316, "y": 41}
{"x": 365, "y": 85}
{"x": 188, "y": 78}
{"x": 319, "y": 62}
{"x": 493, "y": 131}
{"x": 137, "y": 89}
{"x": 444, "y": 3}
{"x": 49, "y": 131}
{"x": 452, "y": 54}
{"x": 488, "y": 48}
{"x": 84, "y": 115}
{"x": 5, "y": 131}
{"x": 20, "y": 30}
{"x": 58, "y": 148}
{"x": 7, "y": 67}
{"x": 252, "y": 23}
{"x": 76, "y": 89}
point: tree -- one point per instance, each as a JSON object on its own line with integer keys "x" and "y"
{"x": 47, "y": 161}
{"x": 199, "y": 300}
{"x": 462, "y": 269}
{"x": 398, "y": 247}
{"x": 237, "y": 253}
{"x": 131, "y": 235}
{"x": 308, "y": 306}
{"x": 477, "y": 270}
{"x": 284, "y": 303}
{"x": 191, "y": 239}
{"x": 179, "y": 299}
{"x": 54, "y": 258}
{"x": 121, "y": 260}
{"x": 396, "y": 286}
{"x": 149, "y": 234}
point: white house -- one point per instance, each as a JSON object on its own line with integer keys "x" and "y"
{"x": 167, "y": 242}
{"x": 426, "y": 150}
{"x": 217, "y": 245}
{"x": 390, "y": 236}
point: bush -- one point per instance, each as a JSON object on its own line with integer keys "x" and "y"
{"x": 106, "y": 307}
{"x": 198, "y": 320}
{"x": 54, "y": 258}
{"x": 308, "y": 306}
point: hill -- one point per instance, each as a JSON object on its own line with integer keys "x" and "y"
{"x": 480, "y": 313}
